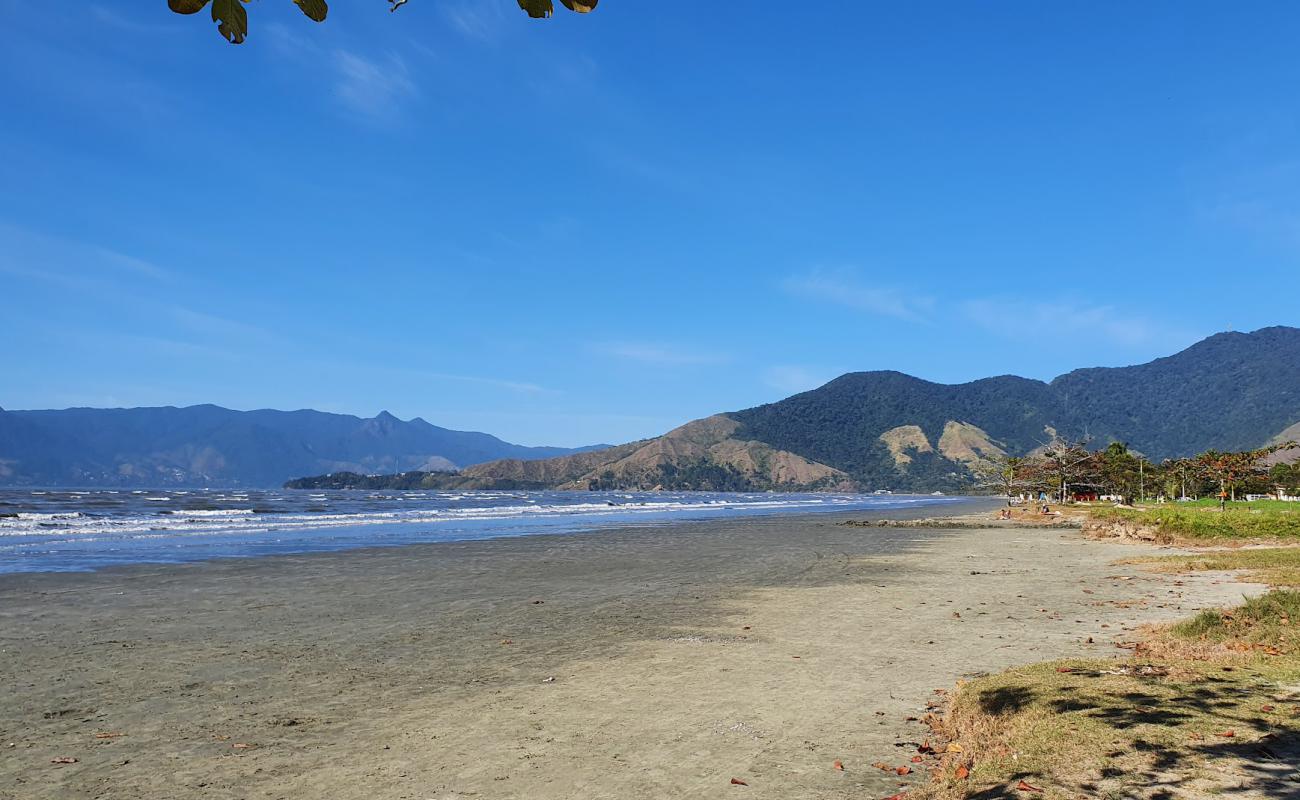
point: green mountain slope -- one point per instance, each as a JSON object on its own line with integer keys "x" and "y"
{"x": 890, "y": 430}
{"x": 1232, "y": 391}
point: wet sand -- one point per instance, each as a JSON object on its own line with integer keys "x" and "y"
{"x": 642, "y": 662}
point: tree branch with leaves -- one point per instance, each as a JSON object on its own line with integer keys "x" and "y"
{"x": 232, "y": 18}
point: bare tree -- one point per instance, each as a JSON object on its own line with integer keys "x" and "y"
{"x": 1006, "y": 474}
{"x": 1067, "y": 463}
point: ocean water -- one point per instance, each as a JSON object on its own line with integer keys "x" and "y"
{"x": 66, "y": 531}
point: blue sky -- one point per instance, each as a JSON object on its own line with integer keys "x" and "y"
{"x": 593, "y": 228}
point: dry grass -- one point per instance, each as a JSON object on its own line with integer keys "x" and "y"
{"x": 1275, "y": 566}
{"x": 1209, "y": 705}
{"x": 1150, "y": 726}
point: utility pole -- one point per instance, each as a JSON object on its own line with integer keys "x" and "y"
{"x": 1142, "y": 479}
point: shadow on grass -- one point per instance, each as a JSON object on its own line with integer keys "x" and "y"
{"x": 1160, "y": 735}
{"x": 1005, "y": 700}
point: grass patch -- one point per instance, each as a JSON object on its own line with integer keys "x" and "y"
{"x": 1275, "y": 566}
{"x": 1147, "y": 726}
{"x": 1241, "y": 505}
{"x": 1269, "y": 621}
{"x": 1255, "y": 521}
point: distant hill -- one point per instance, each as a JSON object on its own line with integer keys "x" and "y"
{"x": 701, "y": 455}
{"x": 1232, "y": 391}
{"x": 872, "y": 430}
{"x": 212, "y": 446}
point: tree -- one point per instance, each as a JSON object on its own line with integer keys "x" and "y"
{"x": 1004, "y": 473}
{"x": 1069, "y": 463}
{"x": 1119, "y": 470}
{"x": 1233, "y": 471}
{"x": 1284, "y": 474}
{"x": 232, "y": 18}
{"x": 1179, "y": 475}
{"x": 1286, "y": 477}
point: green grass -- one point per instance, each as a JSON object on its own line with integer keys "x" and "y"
{"x": 1259, "y": 505}
{"x": 1261, "y": 520}
{"x": 1272, "y": 619}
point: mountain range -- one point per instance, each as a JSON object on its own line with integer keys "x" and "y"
{"x": 863, "y": 430}
{"x": 870, "y": 430}
{"x": 207, "y": 445}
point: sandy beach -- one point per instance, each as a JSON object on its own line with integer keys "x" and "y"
{"x": 659, "y": 661}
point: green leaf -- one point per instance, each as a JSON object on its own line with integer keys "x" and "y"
{"x": 186, "y": 6}
{"x": 231, "y": 19}
{"x": 315, "y": 9}
{"x": 538, "y": 9}
{"x": 581, "y": 8}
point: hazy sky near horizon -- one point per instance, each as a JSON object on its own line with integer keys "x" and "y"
{"x": 593, "y": 228}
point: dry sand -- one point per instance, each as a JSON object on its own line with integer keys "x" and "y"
{"x": 660, "y": 662}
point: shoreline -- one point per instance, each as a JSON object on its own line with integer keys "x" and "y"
{"x": 661, "y": 660}
{"x": 191, "y": 529}
{"x": 917, "y": 512}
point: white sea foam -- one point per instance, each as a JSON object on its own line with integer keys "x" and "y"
{"x": 139, "y": 528}
{"x": 212, "y": 512}
{"x": 244, "y": 520}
